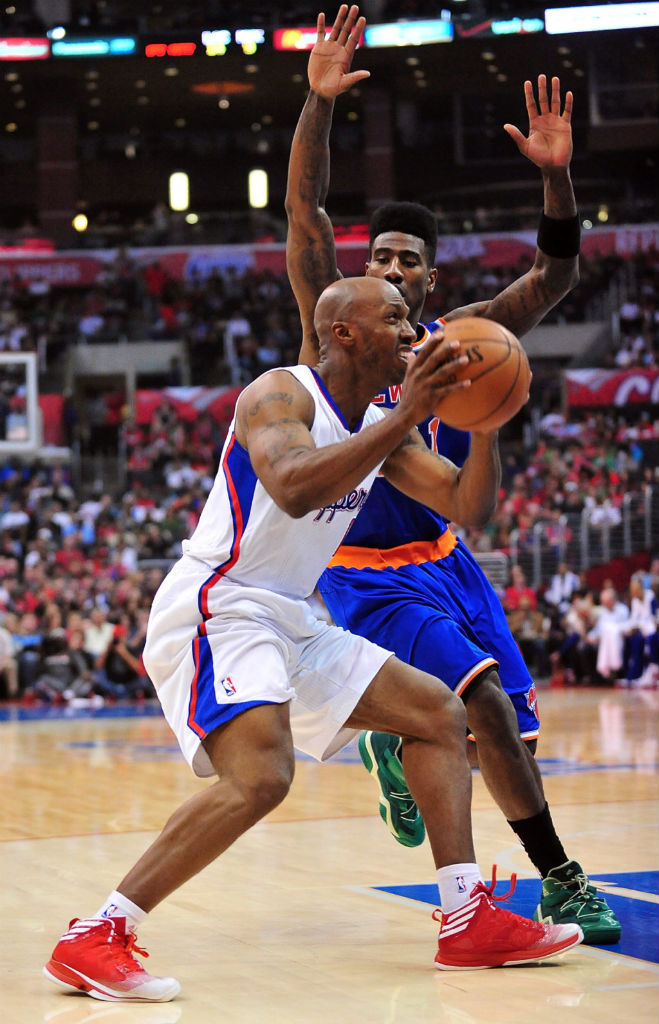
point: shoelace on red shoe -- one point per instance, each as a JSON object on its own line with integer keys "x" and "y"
{"x": 122, "y": 945}
{"x": 489, "y": 889}
{"x": 512, "y": 922}
{"x": 132, "y": 947}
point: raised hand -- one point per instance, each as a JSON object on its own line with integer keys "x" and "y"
{"x": 329, "y": 61}
{"x": 549, "y": 142}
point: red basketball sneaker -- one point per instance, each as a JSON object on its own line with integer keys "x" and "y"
{"x": 480, "y": 934}
{"x": 96, "y": 956}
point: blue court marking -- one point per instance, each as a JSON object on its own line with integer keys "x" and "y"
{"x": 38, "y": 713}
{"x": 548, "y": 766}
{"x": 128, "y": 750}
{"x": 639, "y": 919}
{"x": 559, "y": 766}
{"x": 348, "y": 755}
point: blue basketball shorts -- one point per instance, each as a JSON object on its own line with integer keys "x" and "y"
{"x": 442, "y": 617}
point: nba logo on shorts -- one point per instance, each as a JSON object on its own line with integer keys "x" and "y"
{"x": 229, "y": 686}
{"x": 461, "y": 883}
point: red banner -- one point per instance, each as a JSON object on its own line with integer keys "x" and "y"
{"x": 51, "y": 407}
{"x": 81, "y": 269}
{"x": 188, "y": 403}
{"x": 612, "y": 387}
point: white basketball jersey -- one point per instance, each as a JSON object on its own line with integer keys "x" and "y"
{"x": 243, "y": 535}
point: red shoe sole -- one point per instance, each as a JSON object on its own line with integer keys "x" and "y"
{"x": 511, "y": 959}
{"x": 63, "y": 975}
{"x": 71, "y": 980}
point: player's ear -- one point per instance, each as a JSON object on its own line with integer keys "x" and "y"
{"x": 343, "y": 333}
{"x": 432, "y": 279}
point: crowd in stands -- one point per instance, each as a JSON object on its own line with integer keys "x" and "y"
{"x": 591, "y": 463}
{"x": 575, "y": 634}
{"x": 233, "y": 324}
{"x": 79, "y": 567}
{"x": 77, "y": 574}
{"x": 73, "y": 600}
{"x": 236, "y": 324}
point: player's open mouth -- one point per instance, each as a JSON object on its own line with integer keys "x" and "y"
{"x": 404, "y": 352}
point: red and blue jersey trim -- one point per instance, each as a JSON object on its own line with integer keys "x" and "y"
{"x": 241, "y": 483}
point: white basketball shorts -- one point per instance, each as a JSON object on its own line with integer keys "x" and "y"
{"x": 215, "y": 648}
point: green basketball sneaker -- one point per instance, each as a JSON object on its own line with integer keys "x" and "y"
{"x": 381, "y": 756}
{"x": 569, "y": 897}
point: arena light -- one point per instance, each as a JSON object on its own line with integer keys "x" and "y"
{"x": 170, "y": 49}
{"x": 294, "y": 38}
{"x": 409, "y": 33}
{"x": 249, "y": 39}
{"x": 517, "y": 26}
{"x": 101, "y": 46}
{"x": 215, "y": 41}
{"x": 24, "y": 48}
{"x": 179, "y": 191}
{"x": 257, "y": 186}
{"x": 602, "y": 17}
{"x": 80, "y": 222}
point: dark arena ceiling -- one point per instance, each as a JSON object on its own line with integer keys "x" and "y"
{"x": 220, "y": 108}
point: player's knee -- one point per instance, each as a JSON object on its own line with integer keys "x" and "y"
{"x": 489, "y": 708}
{"x": 532, "y": 745}
{"x": 447, "y": 713}
{"x": 264, "y": 791}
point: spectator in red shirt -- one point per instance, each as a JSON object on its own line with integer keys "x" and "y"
{"x": 69, "y": 556}
{"x": 517, "y": 590}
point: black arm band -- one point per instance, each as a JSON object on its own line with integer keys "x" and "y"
{"x": 559, "y": 238}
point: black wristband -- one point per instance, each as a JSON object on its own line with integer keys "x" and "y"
{"x": 559, "y": 238}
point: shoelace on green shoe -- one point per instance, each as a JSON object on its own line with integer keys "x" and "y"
{"x": 585, "y": 899}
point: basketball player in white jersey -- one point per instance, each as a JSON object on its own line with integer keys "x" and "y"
{"x": 244, "y": 670}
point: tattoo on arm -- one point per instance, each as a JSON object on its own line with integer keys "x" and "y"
{"x": 312, "y": 138}
{"x": 278, "y": 445}
{"x": 523, "y": 303}
{"x": 445, "y": 462}
{"x": 559, "y": 198}
{"x": 272, "y": 396}
{"x": 409, "y": 441}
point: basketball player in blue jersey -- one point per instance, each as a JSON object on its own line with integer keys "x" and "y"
{"x": 243, "y": 668}
{"x": 401, "y": 577}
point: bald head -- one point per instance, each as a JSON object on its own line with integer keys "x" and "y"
{"x": 350, "y": 298}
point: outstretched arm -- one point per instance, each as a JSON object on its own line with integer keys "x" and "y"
{"x": 555, "y": 271}
{"x": 310, "y": 249}
{"x": 274, "y": 416}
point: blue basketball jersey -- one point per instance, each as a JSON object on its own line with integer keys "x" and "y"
{"x": 389, "y": 518}
{"x": 401, "y": 579}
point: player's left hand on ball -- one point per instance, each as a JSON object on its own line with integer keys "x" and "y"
{"x": 433, "y": 374}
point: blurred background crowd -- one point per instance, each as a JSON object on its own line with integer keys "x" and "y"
{"x": 143, "y": 332}
{"x": 80, "y": 561}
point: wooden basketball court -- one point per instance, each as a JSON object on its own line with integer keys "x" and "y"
{"x": 317, "y": 916}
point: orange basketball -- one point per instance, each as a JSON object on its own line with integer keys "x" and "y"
{"x": 499, "y": 372}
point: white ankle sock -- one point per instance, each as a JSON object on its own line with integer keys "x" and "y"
{"x": 117, "y": 905}
{"x": 456, "y": 882}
